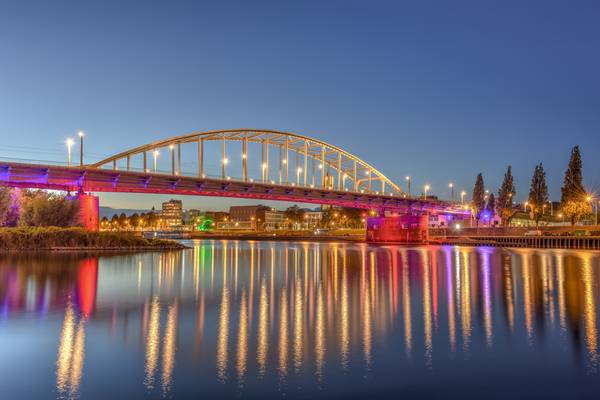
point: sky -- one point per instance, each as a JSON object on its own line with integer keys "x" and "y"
{"x": 438, "y": 90}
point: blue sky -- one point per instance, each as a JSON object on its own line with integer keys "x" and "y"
{"x": 437, "y": 90}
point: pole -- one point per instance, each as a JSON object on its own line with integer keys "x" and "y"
{"x": 323, "y": 166}
{"x": 223, "y": 157}
{"x": 81, "y": 149}
{"x": 200, "y": 157}
{"x": 172, "y": 159}
{"x": 179, "y": 159}
{"x": 305, "y": 160}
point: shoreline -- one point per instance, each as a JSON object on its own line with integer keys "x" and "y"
{"x": 57, "y": 239}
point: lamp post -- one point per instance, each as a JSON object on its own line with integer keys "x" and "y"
{"x": 224, "y": 162}
{"x": 155, "y": 154}
{"x": 462, "y": 197}
{"x": 80, "y": 148}
{"x": 451, "y": 186}
{"x": 298, "y": 172}
{"x": 408, "y": 184}
{"x": 425, "y": 190}
{"x": 172, "y": 148}
{"x": 69, "y": 142}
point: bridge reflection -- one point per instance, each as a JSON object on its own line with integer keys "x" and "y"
{"x": 264, "y": 309}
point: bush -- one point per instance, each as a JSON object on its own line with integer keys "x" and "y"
{"x": 45, "y": 238}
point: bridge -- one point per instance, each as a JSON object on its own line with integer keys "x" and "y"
{"x": 226, "y": 163}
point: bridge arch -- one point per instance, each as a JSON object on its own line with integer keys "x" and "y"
{"x": 316, "y": 163}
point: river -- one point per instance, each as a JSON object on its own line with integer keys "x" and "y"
{"x": 245, "y": 319}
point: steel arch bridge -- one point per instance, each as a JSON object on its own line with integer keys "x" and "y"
{"x": 316, "y": 164}
{"x": 290, "y": 167}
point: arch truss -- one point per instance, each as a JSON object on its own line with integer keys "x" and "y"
{"x": 265, "y": 156}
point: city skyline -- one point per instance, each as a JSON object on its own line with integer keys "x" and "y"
{"x": 410, "y": 89}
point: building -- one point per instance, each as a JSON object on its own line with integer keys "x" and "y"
{"x": 270, "y": 220}
{"x": 313, "y": 219}
{"x": 172, "y": 213}
{"x": 190, "y": 216}
{"x": 246, "y": 213}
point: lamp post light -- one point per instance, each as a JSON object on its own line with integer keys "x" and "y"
{"x": 80, "y": 148}
{"x": 408, "y": 184}
{"x": 224, "y": 162}
{"x": 561, "y": 216}
{"x": 426, "y": 189}
{"x": 263, "y": 169}
{"x": 451, "y": 186}
{"x": 155, "y": 154}
{"x": 69, "y": 142}
{"x": 298, "y": 172}
{"x": 172, "y": 148}
{"x": 462, "y": 197}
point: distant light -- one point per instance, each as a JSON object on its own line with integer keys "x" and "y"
{"x": 171, "y": 146}
{"x": 225, "y": 160}
{"x": 69, "y": 142}
{"x": 156, "y": 153}
{"x": 80, "y": 133}
{"x": 320, "y": 166}
{"x": 284, "y": 161}
{"x": 457, "y": 227}
{"x": 243, "y": 155}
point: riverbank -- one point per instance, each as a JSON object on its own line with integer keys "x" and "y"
{"x": 70, "y": 239}
{"x": 288, "y": 236}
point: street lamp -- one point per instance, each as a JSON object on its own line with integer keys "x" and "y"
{"x": 451, "y": 186}
{"x": 155, "y": 154}
{"x": 69, "y": 142}
{"x": 462, "y": 196}
{"x": 426, "y": 189}
{"x": 408, "y": 184}
{"x": 80, "y": 148}
{"x": 298, "y": 172}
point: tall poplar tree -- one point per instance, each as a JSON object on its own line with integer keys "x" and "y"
{"x": 506, "y": 194}
{"x": 478, "y": 198}
{"x": 573, "y": 202}
{"x": 538, "y": 193}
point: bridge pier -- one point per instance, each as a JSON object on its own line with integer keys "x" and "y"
{"x": 401, "y": 228}
{"x": 89, "y": 211}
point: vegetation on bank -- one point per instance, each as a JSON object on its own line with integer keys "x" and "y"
{"x": 49, "y": 238}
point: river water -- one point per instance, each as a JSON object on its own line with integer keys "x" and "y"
{"x": 301, "y": 320}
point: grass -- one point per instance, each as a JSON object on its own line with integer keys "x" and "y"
{"x": 48, "y": 238}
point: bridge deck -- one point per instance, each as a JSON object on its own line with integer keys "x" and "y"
{"x": 91, "y": 179}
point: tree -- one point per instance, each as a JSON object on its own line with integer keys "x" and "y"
{"x": 122, "y": 221}
{"x": 40, "y": 208}
{"x": 135, "y": 220}
{"x": 9, "y": 206}
{"x": 490, "y": 207}
{"x": 573, "y": 200}
{"x": 506, "y": 194}
{"x": 294, "y": 214}
{"x": 478, "y": 198}
{"x": 538, "y": 193}
{"x": 114, "y": 222}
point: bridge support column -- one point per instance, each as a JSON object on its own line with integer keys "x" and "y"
{"x": 403, "y": 228}
{"x": 89, "y": 211}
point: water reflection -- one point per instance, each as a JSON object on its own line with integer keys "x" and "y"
{"x": 299, "y": 311}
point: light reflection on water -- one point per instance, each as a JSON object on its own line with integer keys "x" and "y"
{"x": 258, "y": 319}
